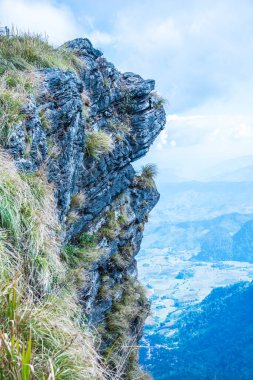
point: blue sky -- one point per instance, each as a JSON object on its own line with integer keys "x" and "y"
{"x": 199, "y": 51}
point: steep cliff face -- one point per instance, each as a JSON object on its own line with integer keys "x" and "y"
{"x": 99, "y": 195}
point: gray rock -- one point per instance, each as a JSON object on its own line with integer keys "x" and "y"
{"x": 55, "y": 132}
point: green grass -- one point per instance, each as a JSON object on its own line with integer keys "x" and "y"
{"x": 110, "y": 229}
{"x": 41, "y": 334}
{"x": 15, "y": 88}
{"x": 98, "y": 144}
{"x": 76, "y": 256}
{"x": 10, "y": 114}
{"x": 24, "y": 51}
{"x": 44, "y": 340}
{"x": 83, "y": 253}
{"x": 29, "y": 224}
{"x": 19, "y": 55}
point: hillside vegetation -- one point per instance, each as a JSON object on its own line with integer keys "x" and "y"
{"x": 72, "y": 210}
{"x": 41, "y": 334}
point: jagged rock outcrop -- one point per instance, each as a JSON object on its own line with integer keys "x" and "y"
{"x": 53, "y": 137}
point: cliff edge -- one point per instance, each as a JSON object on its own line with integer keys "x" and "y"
{"x": 77, "y": 132}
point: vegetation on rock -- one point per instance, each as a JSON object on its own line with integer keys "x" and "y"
{"x": 47, "y": 262}
{"x": 98, "y": 144}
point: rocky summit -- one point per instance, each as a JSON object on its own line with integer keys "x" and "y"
{"x": 84, "y": 128}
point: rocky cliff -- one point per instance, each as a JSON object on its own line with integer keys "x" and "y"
{"x": 84, "y": 130}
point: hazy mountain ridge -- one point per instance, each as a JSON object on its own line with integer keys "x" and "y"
{"x": 219, "y": 244}
{"x": 209, "y": 343}
{"x": 179, "y": 279}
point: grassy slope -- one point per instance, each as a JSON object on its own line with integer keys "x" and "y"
{"x": 41, "y": 335}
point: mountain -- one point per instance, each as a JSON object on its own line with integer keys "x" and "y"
{"x": 72, "y": 210}
{"x": 212, "y": 340}
{"x": 233, "y": 170}
{"x": 239, "y": 175}
{"x": 219, "y": 244}
{"x": 243, "y": 243}
{"x": 182, "y": 261}
{"x": 216, "y": 245}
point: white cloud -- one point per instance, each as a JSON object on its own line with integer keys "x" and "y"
{"x": 162, "y": 139}
{"x": 99, "y": 38}
{"x": 195, "y": 142}
{"x": 197, "y": 51}
{"x": 190, "y": 130}
{"x": 56, "y": 21}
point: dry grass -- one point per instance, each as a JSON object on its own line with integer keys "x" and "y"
{"x": 41, "y": 334}
{"x": 19, "y": 55}
{"x": 122, "y": 329}
{"x": 15, "y": 88}
{"x": 78, "y": 200}
{"x": 72, "y": 217}
{"x": 146, "y": 178}
{"x": 98, "y": 144}
{"x": 29, "y": 224}
{"x": 44, "y": 340}
{"x": 24, "y": 51}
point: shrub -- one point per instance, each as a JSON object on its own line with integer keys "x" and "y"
{"x": 124, "y": 128}
{"x": 98, "y": 144}
{"x": 127, "y": 103}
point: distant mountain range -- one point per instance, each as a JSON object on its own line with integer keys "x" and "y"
{"x": 195, "y": 227}
{"x": 234, "y": 170}
{"x": 239, "y": 169}
{"x": 214, "y": 340}
{"x": 219, "y": 244}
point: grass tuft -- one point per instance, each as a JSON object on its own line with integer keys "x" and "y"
{"x": 78, "y": 200}
{"x": 98, "y": 144}
{"x": 146, "y": 179}
{"x": 72, "y": 217}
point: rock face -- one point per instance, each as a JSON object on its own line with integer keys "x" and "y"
{"x": 53, "y": 137}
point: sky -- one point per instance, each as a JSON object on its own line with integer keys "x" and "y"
{"x": 200, "y": 53}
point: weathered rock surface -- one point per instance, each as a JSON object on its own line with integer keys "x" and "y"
{"x": 53, "y": 138}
